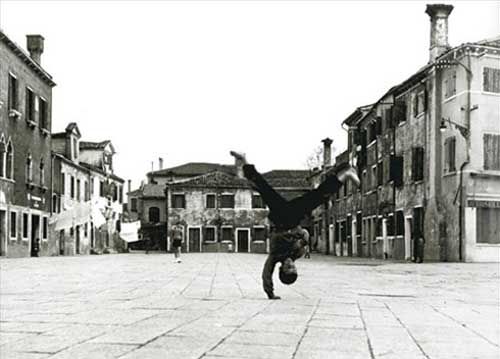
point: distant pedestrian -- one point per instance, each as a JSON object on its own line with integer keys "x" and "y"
{"x": 307, "y": 247}
{"x": 288, "y": 238}
{"x": 177, "y": 239}
{"x": 419, "y": 247}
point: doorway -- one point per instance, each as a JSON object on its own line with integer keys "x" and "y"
{"x": 194, "y": 239}
{"x": 35, "y": 235}
{"x": 243, "y": 236}
{"x": 61, "y": 242}
{"x": 3, "y": 232}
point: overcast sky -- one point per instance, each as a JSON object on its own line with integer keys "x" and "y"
{"x": 188, "y": 81}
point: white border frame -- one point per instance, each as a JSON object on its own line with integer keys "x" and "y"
{"x": 215, "y": 234}
{"x": 23, "y": 238}
{"x": 206, "y": 200}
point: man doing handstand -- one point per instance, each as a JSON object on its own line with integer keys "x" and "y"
{"x": 288, "y": 239}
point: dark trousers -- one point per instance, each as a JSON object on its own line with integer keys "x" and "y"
{"x": 288, "y": 214}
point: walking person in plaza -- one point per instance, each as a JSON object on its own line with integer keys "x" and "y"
{"x": 288, "y": 238}
{"x": 177, "y": 239}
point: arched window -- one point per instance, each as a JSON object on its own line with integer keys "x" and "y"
{"x": 42, "y": 173}
{"x": 3, "y": 157}
{"x": 29, "y": 169}
{"x": 9, "y": 166}
{"x": 154, "y": 214}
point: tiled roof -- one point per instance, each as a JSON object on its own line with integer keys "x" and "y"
{"x": 19, "y": 51}
{"x": 85, "y": 145}
{"x": 493, "y": 42}
{"x": 99, "y": 170}
{"x": 194, "y": 169}
{"x": 288, "y": 178}
{"x": 213, "y": 179}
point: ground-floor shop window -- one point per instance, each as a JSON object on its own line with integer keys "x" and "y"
{"x": 488, "y": 225}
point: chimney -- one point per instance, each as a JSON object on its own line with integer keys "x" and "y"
{"x": 238, "y": 164}
{"x": 327, "y": 152}
{"x": 34, "y": 44}
{"x": 160, "y": 163}
{"x": 439, "y": 29}
{"x": 129, "y": 186}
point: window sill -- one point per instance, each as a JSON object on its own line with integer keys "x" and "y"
{"x": 31, "y": 123}
{"x": 25, "y": 239}
{"x": 226, "y": 242}
{"x": 7, "y": 180}
{"x": 45, "y": 132}
{"x": 15, "y": 114}
{"x": 418, "y": 181}
{"x": 494, "y": 245}
{"x": 13, "y": 239}
{"x": 30, "y": 185}
{"x": 259, "y": 241}
{"x": 402, "y": 123}
{"x": 450, "y": 174}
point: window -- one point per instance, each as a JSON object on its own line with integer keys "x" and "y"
{"x": 72, "y": 186}
{"x": 419, "y": 103}
{"x": 101, "y": 189}
{"x": 227, "y": 234}
{"x": 210, "y": 201}
{"x": 372, "y": 132}
{"x": 209, "y": 235}
{"x": 450, "y": 84}
{"x": 42, "y": 173}
{"x": 85, "y": 230}
{"x": 488, "y": 225}
{"x": 400, "y": 223}
{"x": 449, "y": 152}
{"x": 78, "y": 189}
{"x": 491, "y": 152}
{"x": 378, "y": 125}
{"x": 63, "y": 184}
{"x": 399, "y": 111}
{"x": 30, "y": 105}
{"x": 378, "y": 227}
{"x": 3, "y": 155}
{"x": 491, "y": 80}
{"x": 418, "y": 163}
{"x": 380, "y": 174}
{"x": 92, "y": 185}
{"x": 227, "y": 201}
{"x": 120, "y": 194}
{"x": 9, "y": 166}
{"x": 114, "y": 191}
{"x": 25, "y": 225}
{"x": 45, "y": 227}
{"x": 178, "y": 201}
{"x": 133, "y": 204}
{"x": 13, "y": 100}
{"x": 29, "y": 169}
{"x": 259, "y": 234}
{"x": 373, "y": 178}
{"x": 86, "y": 190}
{"x": 72, "y": 231}
{"x": 154, "y": 214}
{"x": 43, "y": 113}
{"x": 13, "y": 224}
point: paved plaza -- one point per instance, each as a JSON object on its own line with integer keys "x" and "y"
{"x": 212, "y": 306}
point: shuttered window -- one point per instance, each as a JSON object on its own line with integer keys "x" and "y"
{"x": 259, "y": 234}
{"x": 449, "y": 151}
{"x": 209, "y": 235}
{"x": 227, "y": 201}
{"x": 491, "y": 152}
{"x": 13, "y": 100}
{"x": 257, "y": 201}
{"x": 400, "y": 223}
{"x": 397, "y": 170}
{"x": 450, "y": 84}
{"x": 30, "y": 105}
{"x": 210, "y": 201}
{"x": 418, "y": 163}
{"x": 178, "y": 201}
{"x": 488, "y": 225}
{"x": 227, "y": 234}
{"x": 399, "y": 112}
{"x": 491, "y": 80}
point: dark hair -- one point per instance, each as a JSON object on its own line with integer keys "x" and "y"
{"x": 287, "y": 277}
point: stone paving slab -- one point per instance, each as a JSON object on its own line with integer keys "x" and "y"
{"x": 212, "y": 306}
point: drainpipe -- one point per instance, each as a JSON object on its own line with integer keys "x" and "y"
{"x": 461, "y": 212}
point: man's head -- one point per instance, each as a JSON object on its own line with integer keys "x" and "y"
{"x": 288, "y": 272}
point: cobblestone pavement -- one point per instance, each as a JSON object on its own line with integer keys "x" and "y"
{"x": 212, "y": 306}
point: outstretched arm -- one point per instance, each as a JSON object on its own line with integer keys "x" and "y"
{"x": 267, "y": 277}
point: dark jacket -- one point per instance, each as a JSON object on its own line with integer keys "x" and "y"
{"x": 283, "y": 245}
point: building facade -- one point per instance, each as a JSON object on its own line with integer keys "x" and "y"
{"x": 25, "y": 143}
{"x": 213, "y": 203}
{"x": 428, "y": 155}
{"x": 87, "y": 196}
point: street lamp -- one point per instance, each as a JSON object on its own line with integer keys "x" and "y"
{"x": 464, "y": 131}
